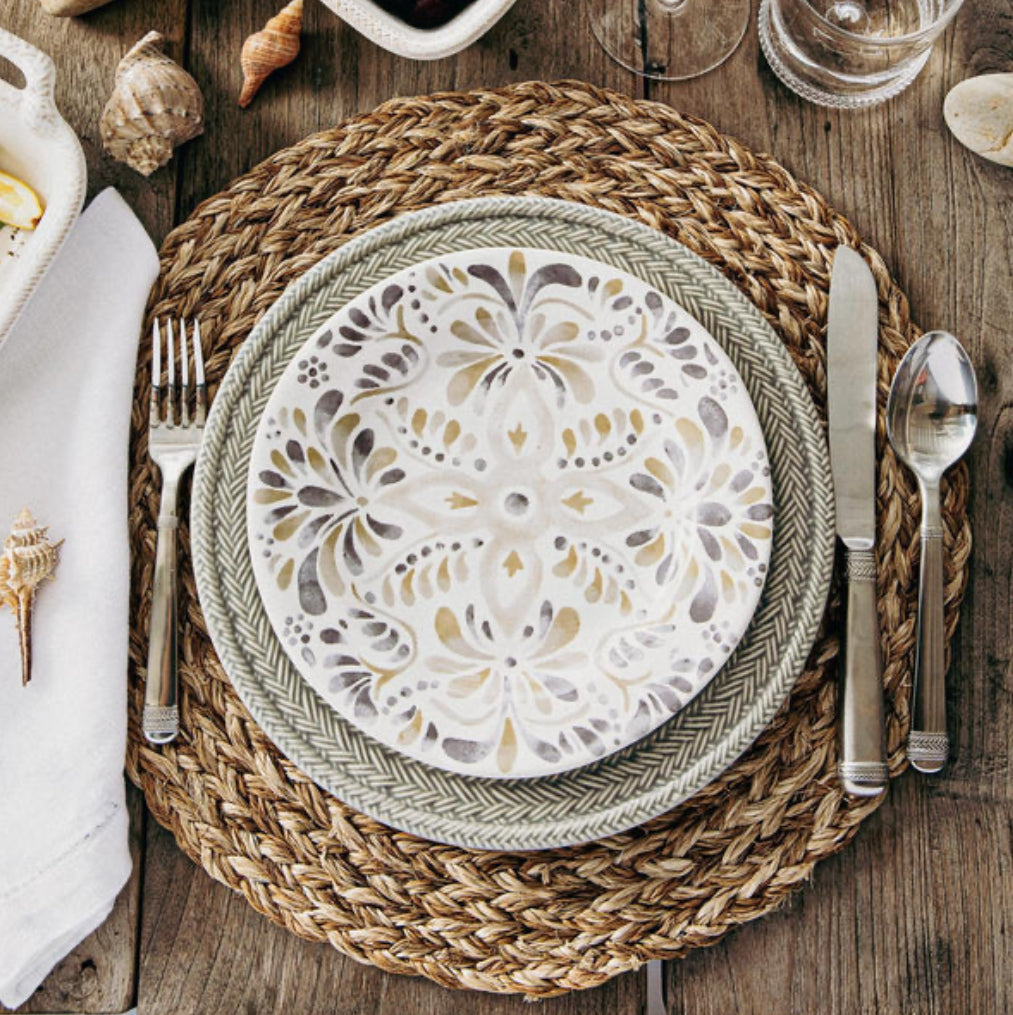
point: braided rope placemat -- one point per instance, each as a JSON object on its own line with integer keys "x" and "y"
{"x": 535, "y": 923}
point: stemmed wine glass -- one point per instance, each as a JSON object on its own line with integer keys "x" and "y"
{"x": 669, "y": 40}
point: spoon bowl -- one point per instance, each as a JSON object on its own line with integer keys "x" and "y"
{"x": 931, "y": 417}
{"x": 932, "y": 411}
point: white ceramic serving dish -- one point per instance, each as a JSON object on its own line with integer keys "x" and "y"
{"x": 395, "y": 35}
{"x": 37, "y": 146}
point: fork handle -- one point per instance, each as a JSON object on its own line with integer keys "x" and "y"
{"x": 160, "y": 720}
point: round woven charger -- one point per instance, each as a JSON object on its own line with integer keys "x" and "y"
{"x": 533, "y": 923}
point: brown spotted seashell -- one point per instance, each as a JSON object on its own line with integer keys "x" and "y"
{"x": 155, "y": 107}
{"x": 276, "y": 45}
{"x": 29, "y": 558}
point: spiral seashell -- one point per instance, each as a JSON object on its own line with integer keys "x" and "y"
{"x": 155, "y": 107}
{"x": 276, "y": 45}
{"x": 29, "y": 558}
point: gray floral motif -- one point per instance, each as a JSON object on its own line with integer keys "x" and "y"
{"x": 716, "y": 517}
{"x": 513, "y": 687}
{"x": 312, "y": 372}
{"x": 321, "y": 494}
{"x": 362, "y": 651}
{"x": 379, "y": 316}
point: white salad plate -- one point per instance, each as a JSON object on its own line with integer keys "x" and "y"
{"x": 509, "y": 510}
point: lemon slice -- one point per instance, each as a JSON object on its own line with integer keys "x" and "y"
{"x": 19, "y": 204}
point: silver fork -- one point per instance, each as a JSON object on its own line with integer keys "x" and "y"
{"x": 173, "y": 442}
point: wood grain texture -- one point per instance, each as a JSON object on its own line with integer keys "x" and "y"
{"x": 912, "y": 917}
{"x": 99, "y": 975}
{"x": 338, "y": 74}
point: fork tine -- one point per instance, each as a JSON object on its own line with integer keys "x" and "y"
{"x": 184, "y": 373}
{"x": 170, "y": 356}
{"x": 198, "y": 369}
{"x": 156, "y": 373}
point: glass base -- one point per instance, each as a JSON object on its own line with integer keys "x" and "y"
{"x": 669, "y": 40}
{"x": 804, "y": 79}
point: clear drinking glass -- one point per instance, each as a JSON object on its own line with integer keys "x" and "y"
{"x": 669, "y": 40}
{"x": 851, "y": 53}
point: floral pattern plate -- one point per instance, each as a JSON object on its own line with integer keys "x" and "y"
{"x": 509, "y": 510}
{"x": 624, "y": 787}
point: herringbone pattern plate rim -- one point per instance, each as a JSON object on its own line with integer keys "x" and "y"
{"x": 624, "y": 789}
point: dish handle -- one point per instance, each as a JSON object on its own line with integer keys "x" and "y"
{"x": 35, "y": 99}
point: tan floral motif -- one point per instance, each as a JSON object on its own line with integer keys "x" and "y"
{"x": 511, "y": 690}
{"x": 512, "y": 322}
{"x": 509, "y": 510}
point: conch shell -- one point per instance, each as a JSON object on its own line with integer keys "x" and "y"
{"x": 28, "y": 559}
{"x": 267, "y": 50}
{"x": 155, "y": 106}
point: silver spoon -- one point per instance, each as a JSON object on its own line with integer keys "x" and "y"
{"x": 931, "y": 416}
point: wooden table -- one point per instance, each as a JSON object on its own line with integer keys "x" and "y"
{"x": 914, "y": 917}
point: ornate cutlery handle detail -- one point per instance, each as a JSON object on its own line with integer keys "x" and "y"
{"x": 928, "y": 745}
{"x": 160, "y": 719}
{"x": 862, "y": 767}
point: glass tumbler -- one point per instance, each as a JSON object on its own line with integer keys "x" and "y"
{"x": 850, "y": 53}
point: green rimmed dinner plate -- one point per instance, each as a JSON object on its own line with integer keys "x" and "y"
{"x": 624, "y": 788}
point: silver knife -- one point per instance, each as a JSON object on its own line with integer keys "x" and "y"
{"x": 852, "y": 333}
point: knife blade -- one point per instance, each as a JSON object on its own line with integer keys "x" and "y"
{"x": 852, "y": 339}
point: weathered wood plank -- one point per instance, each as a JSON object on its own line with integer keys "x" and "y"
{"x": 897, "y": 923}
{"x": 339, "y": 74}
{"x": 910, "y": 917}
{"x": 99, "y": 974}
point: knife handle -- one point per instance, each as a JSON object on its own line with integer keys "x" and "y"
{"x": 928, "y": 745}
{"x": 862, "y": 768}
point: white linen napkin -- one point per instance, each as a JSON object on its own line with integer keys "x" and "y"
{"x": 66, "y": 383}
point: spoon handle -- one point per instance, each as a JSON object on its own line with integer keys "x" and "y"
{"x": 928, "y": 744}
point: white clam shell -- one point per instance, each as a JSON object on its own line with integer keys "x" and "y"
{"x": 979, "y": 112}
{"x": 71, "y": 8}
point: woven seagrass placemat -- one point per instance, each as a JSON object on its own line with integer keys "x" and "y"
{"x": 546, "y": 922}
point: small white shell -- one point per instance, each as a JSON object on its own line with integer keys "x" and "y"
{"x": 71, "y": 8}
{"x": 155, "y": 106}
{"x": 979, "y": 112}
